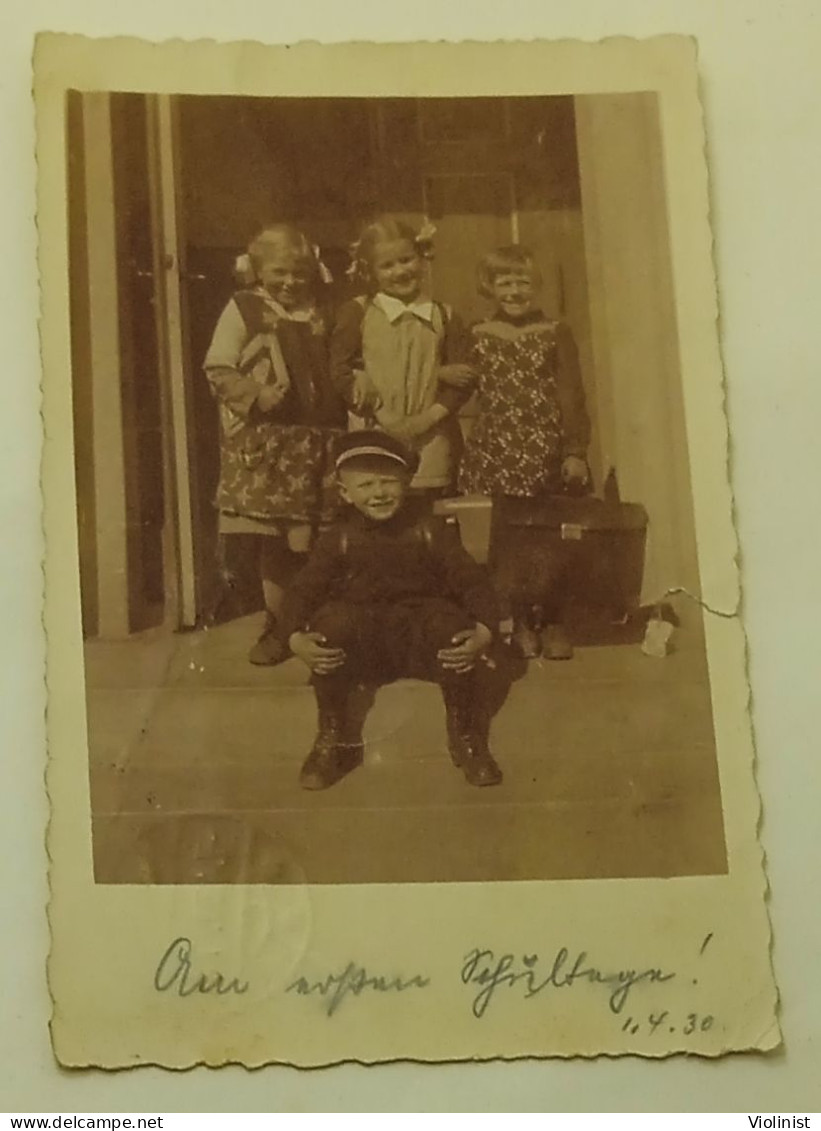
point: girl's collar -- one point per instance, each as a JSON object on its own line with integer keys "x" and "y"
{"x": 394, "y": 308}
{"x": 304, "y": 314}
{"x": 309, "y": 314}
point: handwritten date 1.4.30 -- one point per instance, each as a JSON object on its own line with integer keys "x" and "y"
{"x": 665, "y": 1023}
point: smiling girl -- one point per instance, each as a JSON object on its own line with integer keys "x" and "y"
{"x": 279, "y": 413}
{"x": 531, "y": 433}
{"x": 398, "y": 356}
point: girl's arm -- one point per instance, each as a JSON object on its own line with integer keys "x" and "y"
{"x": 346, "y": 348}
{"x": 239, "y": 391}
{"x": 575, "y": 420}
{"x": 346, "y": 366}
{"x": 457, "y": 351}
{"x": 457, "y": 348}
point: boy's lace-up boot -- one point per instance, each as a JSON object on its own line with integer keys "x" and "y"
{"x": 468, "y": 747}
{"x": 332, "y": 755}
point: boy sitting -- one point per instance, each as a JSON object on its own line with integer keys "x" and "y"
{"x": 389, "y": 592}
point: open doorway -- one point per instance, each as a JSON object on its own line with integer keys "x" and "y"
{"x": 192, "y": 179}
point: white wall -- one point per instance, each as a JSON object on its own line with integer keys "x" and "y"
{"x": 641, "y": 430}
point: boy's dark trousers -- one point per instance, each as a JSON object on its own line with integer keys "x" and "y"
{"x": 383, "y": 641}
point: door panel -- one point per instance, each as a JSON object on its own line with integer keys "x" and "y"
{"x": 470, "y": 213}
{"x": 183, "y": 527}
{"x": 139, "y": 363}
{"x": 447, "y": 120}
{"x": 208, "y": 283}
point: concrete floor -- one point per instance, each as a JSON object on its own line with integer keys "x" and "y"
{"x": 609, "y": 765}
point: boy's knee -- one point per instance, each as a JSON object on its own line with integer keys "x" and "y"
{"x": 338, "y": 623}
{"x": 444, "y": 622}
{"x": 448, "y": 678}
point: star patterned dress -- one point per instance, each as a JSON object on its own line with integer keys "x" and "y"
{"x": 275, "y": 467}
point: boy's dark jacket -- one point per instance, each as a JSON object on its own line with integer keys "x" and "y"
{"x": 409, "y": 557}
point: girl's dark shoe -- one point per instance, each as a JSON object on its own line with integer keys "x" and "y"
{"x": 527, "y": 641}
{"x": 557, "y": 644}
{"x": 269, "y": 649}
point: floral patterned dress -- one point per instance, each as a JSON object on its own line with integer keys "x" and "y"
{"x": 531, "y": 415}
{"x": 518, "y": 440}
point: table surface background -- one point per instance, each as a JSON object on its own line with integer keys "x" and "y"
{"x": 762, "y": 91}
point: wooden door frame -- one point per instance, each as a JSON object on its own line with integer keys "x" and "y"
{"x": 110, "y": 510}
{"x": 180, "y": 533}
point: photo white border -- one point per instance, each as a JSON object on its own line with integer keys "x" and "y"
{"x": 729, "y": 908}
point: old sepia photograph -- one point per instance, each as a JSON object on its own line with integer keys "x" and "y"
{"x": 397, "y": 693}
{"x": 388, "y": 565}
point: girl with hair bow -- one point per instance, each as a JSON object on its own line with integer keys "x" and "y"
{"x": 398, "y": 356}
{"x": 279, "y": 414}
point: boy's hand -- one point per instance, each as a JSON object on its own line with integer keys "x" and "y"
{"x": 575, "y": 471}
{"x": 311, "y": 648}
{"x": 468, "y": 645}
{"x": 458, "y": 374}
{"x": 270, "y": 396}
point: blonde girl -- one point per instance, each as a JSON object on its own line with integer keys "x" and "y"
{"x": 398, "y": 356}
{"x": 530, "y": 436}
{"x": 267, "y": 368}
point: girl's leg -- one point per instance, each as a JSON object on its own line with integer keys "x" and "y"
{"x": 527, "y": 627}
{"x": 508, "y": 562}
{"x": 557, "y": 642}
{"x": 544, "y": 559}
{"x": 277, "y": 565}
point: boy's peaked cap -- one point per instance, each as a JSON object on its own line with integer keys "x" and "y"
{"x": 374, "y": 444}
